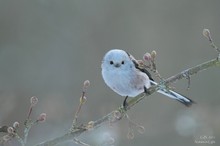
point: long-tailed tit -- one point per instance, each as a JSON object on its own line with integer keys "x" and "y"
{"x": 122, "y": 74}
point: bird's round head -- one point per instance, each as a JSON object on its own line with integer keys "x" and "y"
{"x": 116, "y": 59}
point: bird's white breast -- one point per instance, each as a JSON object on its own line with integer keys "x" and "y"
{"x": 126, "y": 82}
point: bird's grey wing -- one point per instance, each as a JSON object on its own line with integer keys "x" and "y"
{"x": 137, "y": 66}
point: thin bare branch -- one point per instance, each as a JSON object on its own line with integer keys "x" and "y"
{"x": 105, "y": 119}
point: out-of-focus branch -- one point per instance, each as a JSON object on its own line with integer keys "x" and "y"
{"x": 111, "y": 117}
{"x": 3, "y": 129}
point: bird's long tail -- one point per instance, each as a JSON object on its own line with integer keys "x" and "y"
{"x": 172, "y": 94}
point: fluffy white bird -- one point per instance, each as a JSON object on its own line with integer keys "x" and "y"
{"x": 122, "y": 74}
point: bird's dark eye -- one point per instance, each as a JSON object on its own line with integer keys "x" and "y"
{"x": 111, "y": 62}
{"x": 122, "y": 62}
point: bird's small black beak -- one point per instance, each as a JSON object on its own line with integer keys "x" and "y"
{"x": 117, "y": 65}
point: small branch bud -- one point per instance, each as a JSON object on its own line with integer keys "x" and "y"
{"x": 42, "y": 117}
{"x": 117, "y": 115}
{"x": 86, "y": 83}
{"x": 140, "y": 62}
{"x": 147, "y": 57}
{"x": 16, "y": 125}
{"x": 206, "y": 33}
{"x": 34, "y": 101}
{"x": 90, "y": 125}
{"x": 10, "y": 130}
{"x": 153, "y": 54}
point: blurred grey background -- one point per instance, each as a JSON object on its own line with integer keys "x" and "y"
{"x": 49, "y": 47}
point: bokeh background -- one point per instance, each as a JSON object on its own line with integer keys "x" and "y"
{"x": 49, "y": 47}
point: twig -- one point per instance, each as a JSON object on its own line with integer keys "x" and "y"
{"x": 132, "y": 102}
{"x": 77, "y": 112}
{"x": 82, "y": 100}
{"x": 207, "y": 34}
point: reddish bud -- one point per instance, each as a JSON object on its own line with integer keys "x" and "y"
{"x": 34, "y": 100}
{"x": 147, "y": 57}
{"x": 42, "y": 117}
